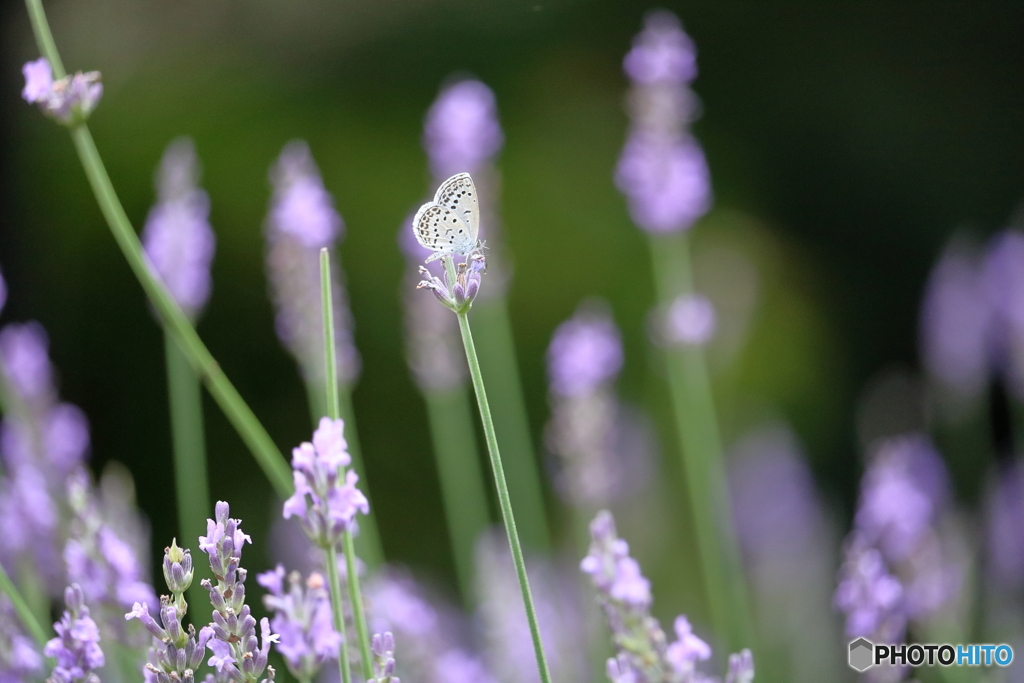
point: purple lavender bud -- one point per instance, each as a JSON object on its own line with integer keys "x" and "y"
{"x": 619, "y": 670}
{"x": 667, "y": 182}
{"x": 662, "y": 52}
{"x": 177, "y": 237}
{"x": 383, "y": 649}
{"x": 691, "y": 320}
{"x": 461, "y": 131}
{"x": 955, "y": 323}
{"x": 585, "y": 351}
{"x": 869, "y": 595}
{"x": 66, "y": 438}
{"x": 1005, "y": 516}
{"x": 177, "y": 566}
{"x": 26, "y": 363}
{"x": 302, "y": 619}
{"x": 301, "y": 221}
{"x": 325, "y": 502}
{"x": 38, "y": 80}
{"x": 741, "y": 668}
{"x": 69, "y": 100}
{"x": 687, "y": 650}
{"x": 902, "y": 492}
{"x": 76, "y": 648}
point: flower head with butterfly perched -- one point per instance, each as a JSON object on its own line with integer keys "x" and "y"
{"x": 447, "y": 226}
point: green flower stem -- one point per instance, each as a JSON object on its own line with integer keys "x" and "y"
{"x": 334, "y": 411}
{"x": 499, "y": 480}
{"x": 339, "y": 613}
{"x": 498, "y": 359}
{"x": 190, "y": 477}
{"x": 701, "y": 449}
{"x": 463, "y": 487}
{"x": 171, "y": 316}
{"x": 21, "y": 607}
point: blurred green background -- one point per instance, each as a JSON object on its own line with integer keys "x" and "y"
{"x": 846, "y": 141}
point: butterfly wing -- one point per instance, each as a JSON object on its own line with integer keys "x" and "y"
{"x": 458, "y": 194}
{"x": 440, "y": 229}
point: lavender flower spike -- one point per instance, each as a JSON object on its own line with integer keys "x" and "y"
{"x": 69, "y": 100}
{"x": 326, "y": 499}
{"x": 383, "y": 649}
{"x": 176, "y": 652}
{"x": 302, "y": 618}
{"x": 461, "y": 131}
{"x": 644, "y": 654}
{"x": 238, "y": 656}
{"x": 77, "y": 645}
{"x": 177, "y": 237}
{"x": 662, "y": 170}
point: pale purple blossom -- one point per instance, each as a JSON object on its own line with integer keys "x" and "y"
{"x": 302, "y": 619}
{"x": 1005, "y": 517}
{"x": 24, "y": 354}
{"x": 69, "y": 100}
{"x": 643, "y": 653}
{"x": 383, "y": 648}
{"x": 326, "y": 499}
{"x": 666, "y": 181}
{"x": 688, "y": 649}
{"x": 741, "y": 667}
{"x": 691, "y": 320}
{"x": 662, "y": 170}
{"x": 301, "y": 221}
{"x": 585, "y": 351}
{"x": 870, "y": 596}
{"x": 1002, "y": 280}
{"x": 662, "y": 52}
{"x": 76, "y": 648}
{"x": 178, "y": 238}
{"x": 461, "y": 131}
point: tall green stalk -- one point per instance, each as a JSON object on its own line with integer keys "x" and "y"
{"x": 504, "y": 500}
{"x": 701, "y": 450}
{"x": 21, "y": 607}
{"x": 462, "y": 482}
{"x": 338, "y": 612}
{"x": 171, "y": 316}
{"x": 498, "y": 358}
{"x": 190, "y": 476}
{"x": 334, "y": 412}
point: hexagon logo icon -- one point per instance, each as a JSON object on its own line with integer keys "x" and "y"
{"x": 862, "y": 653}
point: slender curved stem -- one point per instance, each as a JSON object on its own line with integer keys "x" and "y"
{"x": 499, "y": 481}
{"x": 334, "y": 411}
{"x": 21, "y": 607}
{"x": 339, "y": 613}
{"x": 174, "y": 321}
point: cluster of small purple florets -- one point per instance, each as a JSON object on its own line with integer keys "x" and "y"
{"x": 326, "y": 499}
{"x": 76, "y": 648}
{"x": 238, "y": 655}
{"x": 302, "y": 619}
{"x": 69, "y": 100}
{"x": 644, "y": 654}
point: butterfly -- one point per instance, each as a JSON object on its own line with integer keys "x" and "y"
{"x": 449, "y": 224}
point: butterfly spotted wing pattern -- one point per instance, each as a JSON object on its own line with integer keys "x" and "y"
{"x": 449, "y": 224}
{"x": 458, "y": 194}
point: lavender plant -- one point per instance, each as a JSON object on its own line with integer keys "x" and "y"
{"x": 238, "y": 655}
{"x": 462, "y": 134}
{"x": 383, "y": 648}
{"x": 19, "y": 655}
{"x": 664, "y": 176}
{"x": 302, "y": 620}
{"x": 177, "y": 652}
{"x": 76, "y": 648}
{"x": 302, "y": 221}
{"x": 643, "y": 653}
{"x": 180, "y": 244}
{"x": 447, "y": 226}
